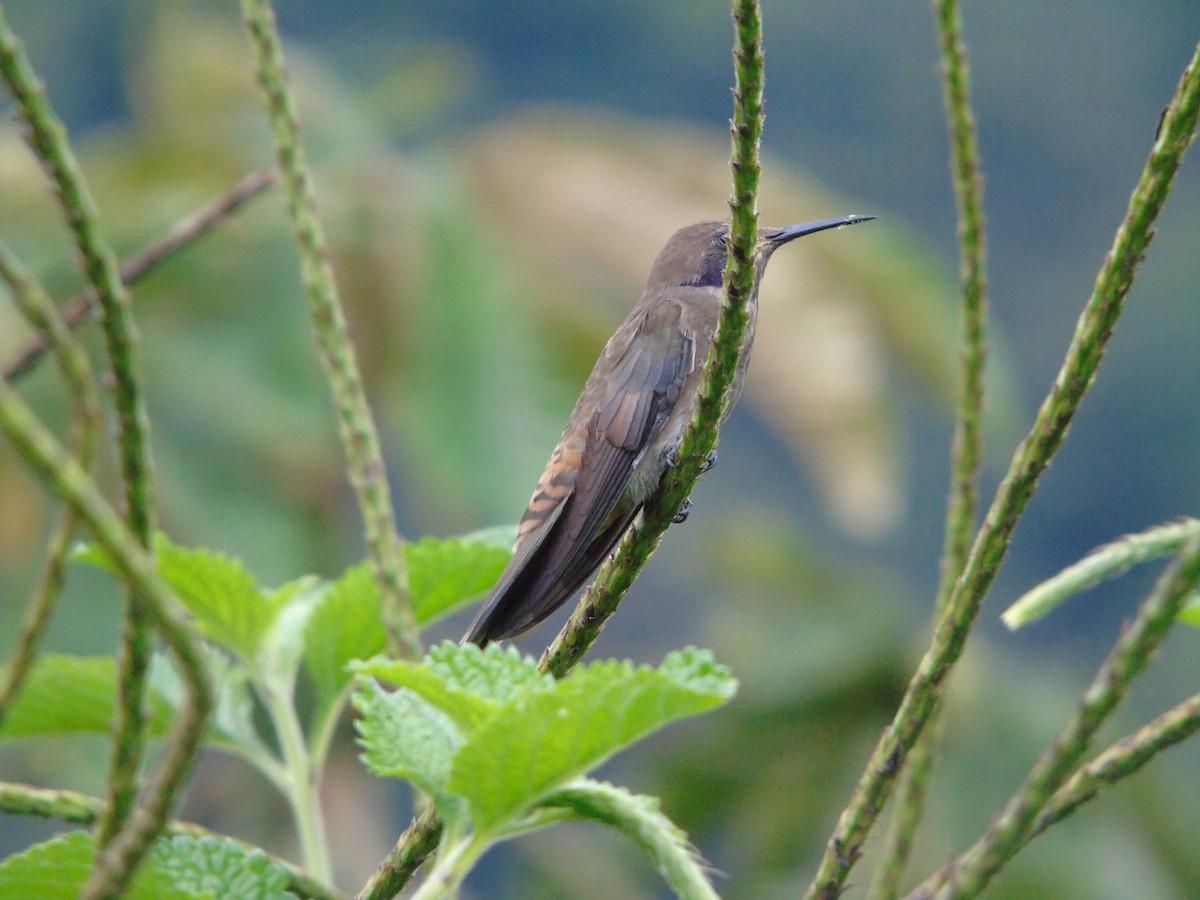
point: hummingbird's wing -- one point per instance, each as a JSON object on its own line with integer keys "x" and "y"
{"x": 576, "y": 514}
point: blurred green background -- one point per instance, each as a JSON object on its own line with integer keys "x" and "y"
{"x": 496, "y": 180}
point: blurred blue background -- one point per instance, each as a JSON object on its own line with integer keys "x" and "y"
{"x": 496, "y": 180}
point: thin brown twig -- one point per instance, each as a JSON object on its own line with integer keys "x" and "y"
{"x": 182, "y": 234}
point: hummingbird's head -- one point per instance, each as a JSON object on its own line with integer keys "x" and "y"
{"x": 695, "y": 255}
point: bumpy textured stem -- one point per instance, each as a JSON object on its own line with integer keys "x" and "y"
{"x": 49, "y": 140}
{"x": 1050, "y": 427}
{"x": 619, "y": 571}
{"x": 116, "y": 862}
{"x": 970, "y": 873}
{"x": 87, "y": 421}
{"x": 963, "y": 503}
{"x": 368, "y": 474}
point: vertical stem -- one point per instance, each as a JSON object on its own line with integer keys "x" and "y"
{"x": 48, "y": 138}
{"x": 1031, "y": 458}
{"x": 356, "y": 426}
{"x": 970, "y": 874}
{"x": 87, "y": 420}
{"x": 619, "y": 571}
{"x": 963, "y": 503}
{"x": 302, "y": 783}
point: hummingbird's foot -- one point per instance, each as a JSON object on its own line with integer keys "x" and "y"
{"x": 672, "y": 459}
{"x": 684, "y": 508}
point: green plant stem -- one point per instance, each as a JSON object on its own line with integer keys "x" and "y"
{"x": 1104, "y": 562}
{"x": 452, "y": 867}
{"x": 619, "y": 571}
{"x": 301, "y": 783}
{"x": 368, "y": 474}
{"x": 182, "y": 234}
{"x": 81, "y": 809}
{"x": 1030, "y": 459}
{"x": 963, "y": 504}
{"x": 1121, "y": 760}
{"x": 970, "y": 873}
{"x": 48, "y": 137}
{"x": 116, "y": 862}
{"x": 87, "y": 419}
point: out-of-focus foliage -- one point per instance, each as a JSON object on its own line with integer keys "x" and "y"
{"x": 484, "y": 264}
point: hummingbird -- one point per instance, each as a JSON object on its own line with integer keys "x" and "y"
{"x": 625, "y": 430}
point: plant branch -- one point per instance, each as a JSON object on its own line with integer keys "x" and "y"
{"x": 182, "y": 234}
{"x": 1050, "y": 427}
{"x": 87, "y": 420}
{"x": 963, "y": 504}
{"x": 81, "y": 809}
{"x": 1104, "y": 562}
{"x": 48, "y": 137}
{"x": 116, "y": 862}
{"x": 368, "y": 473}
{"x": 970, "y": 873}
{"x": 619, "y": 570}
{"x": 1121, "y": 760}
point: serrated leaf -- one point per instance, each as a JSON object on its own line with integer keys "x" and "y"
{"x": 405, "y": 736}
{"x": 468, "y": 684}
{"x": 345, "y": 625}
{"x": 220, "y": 867}
{"x": 221, "y": 593}
{"x": 640, "y": 818}
{"x": 539, "y": 743}
{"x": 446, "y": 572}
{"x": 57, "y": 869}
{"x": 72, "y": 695}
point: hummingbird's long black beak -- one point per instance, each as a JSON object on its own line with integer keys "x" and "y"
{"x": 779, "y": 236}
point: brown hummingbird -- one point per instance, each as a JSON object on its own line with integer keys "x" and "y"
{"x": 626, "y": 427}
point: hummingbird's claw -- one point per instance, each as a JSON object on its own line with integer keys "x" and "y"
{"x": 709, "y": 462}
{"x": 684, "y": 508}
{"x": 671, "y": 457}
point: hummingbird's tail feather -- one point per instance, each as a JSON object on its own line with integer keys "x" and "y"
{"x": 546, "y": 579}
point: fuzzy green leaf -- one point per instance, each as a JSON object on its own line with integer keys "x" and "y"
{"x": 220, "y": 867}
{"x": 547, "y": 738}
{"x": 405, "y": 736}
{"x": 72, "y": 695}
{"x": 468, "y": 684}
{"x": 641, "y": 819}
{"x": 57, "y": 869}
{"x": 345, "y": 625}
{"x": 446, "y": 572}
{"x": 222, "y": 595}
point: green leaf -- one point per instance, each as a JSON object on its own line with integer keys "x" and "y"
{"x": 405, "y": 736}
{"x": 1190, "y": 614}
{"x": 220, "y": 867}
{"x": 641, "y": 819}
{"x": 281, "y": 648}
{"x": 446, "y": 572}
{"x": 222, "y": 595}
{"x": 345, "y": 625}
{"x": 468, "y": 684}
{"x": 71, "y": 695}
{"x": 57, "y": 869}
{"x": 547, "y": 738}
